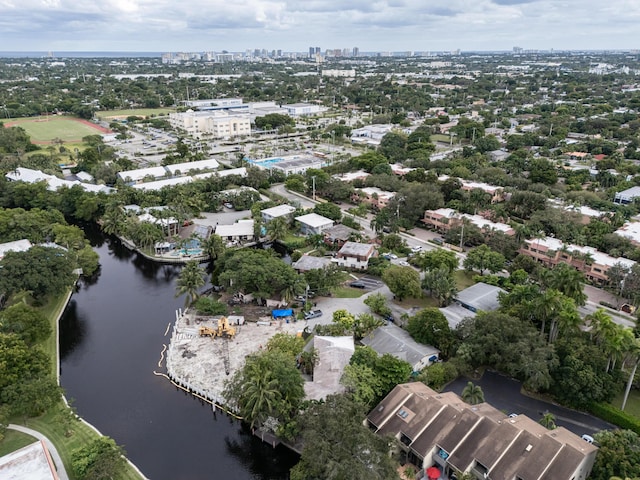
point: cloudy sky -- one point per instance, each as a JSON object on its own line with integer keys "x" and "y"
{"x": 294, "y": 25}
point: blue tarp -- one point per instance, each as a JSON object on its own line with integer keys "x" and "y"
{"x": 282, "y": 313}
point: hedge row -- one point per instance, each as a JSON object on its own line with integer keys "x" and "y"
{"x": 616, "y": 416}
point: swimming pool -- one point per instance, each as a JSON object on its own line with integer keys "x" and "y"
{"x": 267, "y": 162}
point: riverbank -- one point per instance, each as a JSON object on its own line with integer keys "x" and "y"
{"x": 201, "y": 365}
{"x": 60, "y": 425}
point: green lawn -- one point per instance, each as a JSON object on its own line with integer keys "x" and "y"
{"x": 138, "y": 112}
{"x": 51, "y": 425}
{"x": 348, "y": 292}
{"x": 44, "y": 130}
{"x": 66, "y": 436}
{"x": 633, "y": 403}
{"x": 464, "y": 279}
{"x": 15, "y": 440}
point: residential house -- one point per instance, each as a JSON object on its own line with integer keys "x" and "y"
{"x": 15, "y": 246}
{"x": 239, "y": 232}
{"x": 396, "y": 341}
{"x": 355, "y": 255}
{"x": 53, "y": 183}
{"x": 440, "y": 430}
{"x": 333, "y": 354}
{"x": 480, "y": 297}
{"x": 351, "y": 176}
{"x": 630, "y": 230}
{"x": 627, "y": 196}
{"x": 373, "y": 196}
{"x": 593, "y": 263}
{"x": 285, "y": 211}
{"x": 338, "y": 234}
{"x": 313, "y": 224}
{"x": 308, "y": 262}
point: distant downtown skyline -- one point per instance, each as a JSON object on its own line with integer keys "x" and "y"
{"x": 294, "y": 25}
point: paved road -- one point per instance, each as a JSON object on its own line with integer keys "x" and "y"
{"x": 62, "y": 473}
{"x": 504, "y": 394}
{"x": 303, "y": 201}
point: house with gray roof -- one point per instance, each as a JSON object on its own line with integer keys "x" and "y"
{"x": 440, "y": 430}
{"x": 309, "y": 262}
{"x": 334, "y": 354}
{"x": 355, "y": 255}
{"x": 396, "y": 341}
{"x": 480, "y": 296}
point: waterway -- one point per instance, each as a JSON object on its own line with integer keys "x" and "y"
{"x": 111, "y": 336}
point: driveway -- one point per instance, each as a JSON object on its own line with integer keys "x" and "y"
{"x": 504, "y": 394}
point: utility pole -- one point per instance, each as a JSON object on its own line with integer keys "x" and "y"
{"x": 313, "y": 178}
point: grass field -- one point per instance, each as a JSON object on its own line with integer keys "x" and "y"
{"x": 14, "y": 440}
{"x": 463, "y": 278}
{"x": 347, "y": 292}
{"x": 138, "y": 112}
{"x": 42, "y": 130}
{"x": 633, "y": 403}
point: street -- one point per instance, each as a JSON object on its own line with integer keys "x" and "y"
{"x": 504, "y": 394}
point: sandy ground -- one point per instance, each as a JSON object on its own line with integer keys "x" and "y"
{"x": 198, "y": 363}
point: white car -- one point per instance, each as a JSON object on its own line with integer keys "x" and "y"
{"x": 404, "y": 264}
{"x": 415, "y": 249}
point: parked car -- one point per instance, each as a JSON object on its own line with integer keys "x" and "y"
{"x": 587, "y": 438}
{"x": 390, "y": 318}
{"x": 357, "y": 285}
{"x": 228, "y": 205}
{"x": 404, "y": 264}
{"x": 312, "y": 314}
{"x": 416, "y": 249}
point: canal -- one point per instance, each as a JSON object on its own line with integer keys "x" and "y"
{"x": 111, "y": 337}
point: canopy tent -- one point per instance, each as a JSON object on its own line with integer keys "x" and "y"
{"x": 433, "y": 473}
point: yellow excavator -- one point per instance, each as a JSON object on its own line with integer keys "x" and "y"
{"x": 224, "y": 329}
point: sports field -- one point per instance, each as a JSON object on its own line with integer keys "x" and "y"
{"x": 137, "y": 112}
{"x": 43, "y": 130}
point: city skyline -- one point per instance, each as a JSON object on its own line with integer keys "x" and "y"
{"x": 294, "y": 25}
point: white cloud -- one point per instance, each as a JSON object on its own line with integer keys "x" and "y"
{"x": 199, "y": 25}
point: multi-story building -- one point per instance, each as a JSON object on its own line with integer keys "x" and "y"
{"x": 444, "y": 219}
{"x": 217, "y": 124}
{"x": 373, "y": 196}
{"x": 593, "y": 263}
{"x": 438, "y": 431}
{"x": 355, "y": 255}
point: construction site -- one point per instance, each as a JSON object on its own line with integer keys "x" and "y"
{"x": 204, "y": 351}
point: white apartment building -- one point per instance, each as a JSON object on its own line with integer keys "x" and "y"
{"x": 217, "y": 124}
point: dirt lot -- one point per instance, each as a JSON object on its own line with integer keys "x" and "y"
{"x": 199, "y": 363}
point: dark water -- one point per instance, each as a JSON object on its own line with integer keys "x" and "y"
{"x": 111, "y": 336}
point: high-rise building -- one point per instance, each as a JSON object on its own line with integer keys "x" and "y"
{"x": 356, "y": 51}
{"x": 318, "y": 51}
{"x": 312, "y": 52}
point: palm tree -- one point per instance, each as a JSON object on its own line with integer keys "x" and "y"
{"x": 113, "y": 220}
{"x": 191, "y": 279}
{"x": 548, "y": 421}
{"x": 634, "y": 353}
{"x": 472, "y": 394}
{"x": 260, "y": 394}
{"x": 567, "y": 321}
{"x": 277, "y": 229}
{"x": 547, "y": 307}
{"x": 605, "y": 333}
{"x": 213, "y": 246}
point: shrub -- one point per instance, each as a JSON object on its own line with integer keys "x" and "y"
{"x": 209, "y": 306}
{"x": 616, "y": 416}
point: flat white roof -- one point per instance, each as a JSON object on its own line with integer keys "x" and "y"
{"x": 630, "y": 230}
{"x": 159, "y": 184}
{"x": 31, "y": 462}
{"x": 351, "y": 176}
{"x": 53, "y": 183}
{"x": 140, "y": 173}
{"x": 16, "y": 246}
{"x": 210, "y": 164}
{"x": 381, "y": 193}
{"x": 241, "y": 228}
{"x": 278, "y": 210}
{"x": 242, "y": 171}
{"x": 314, "y": 220}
